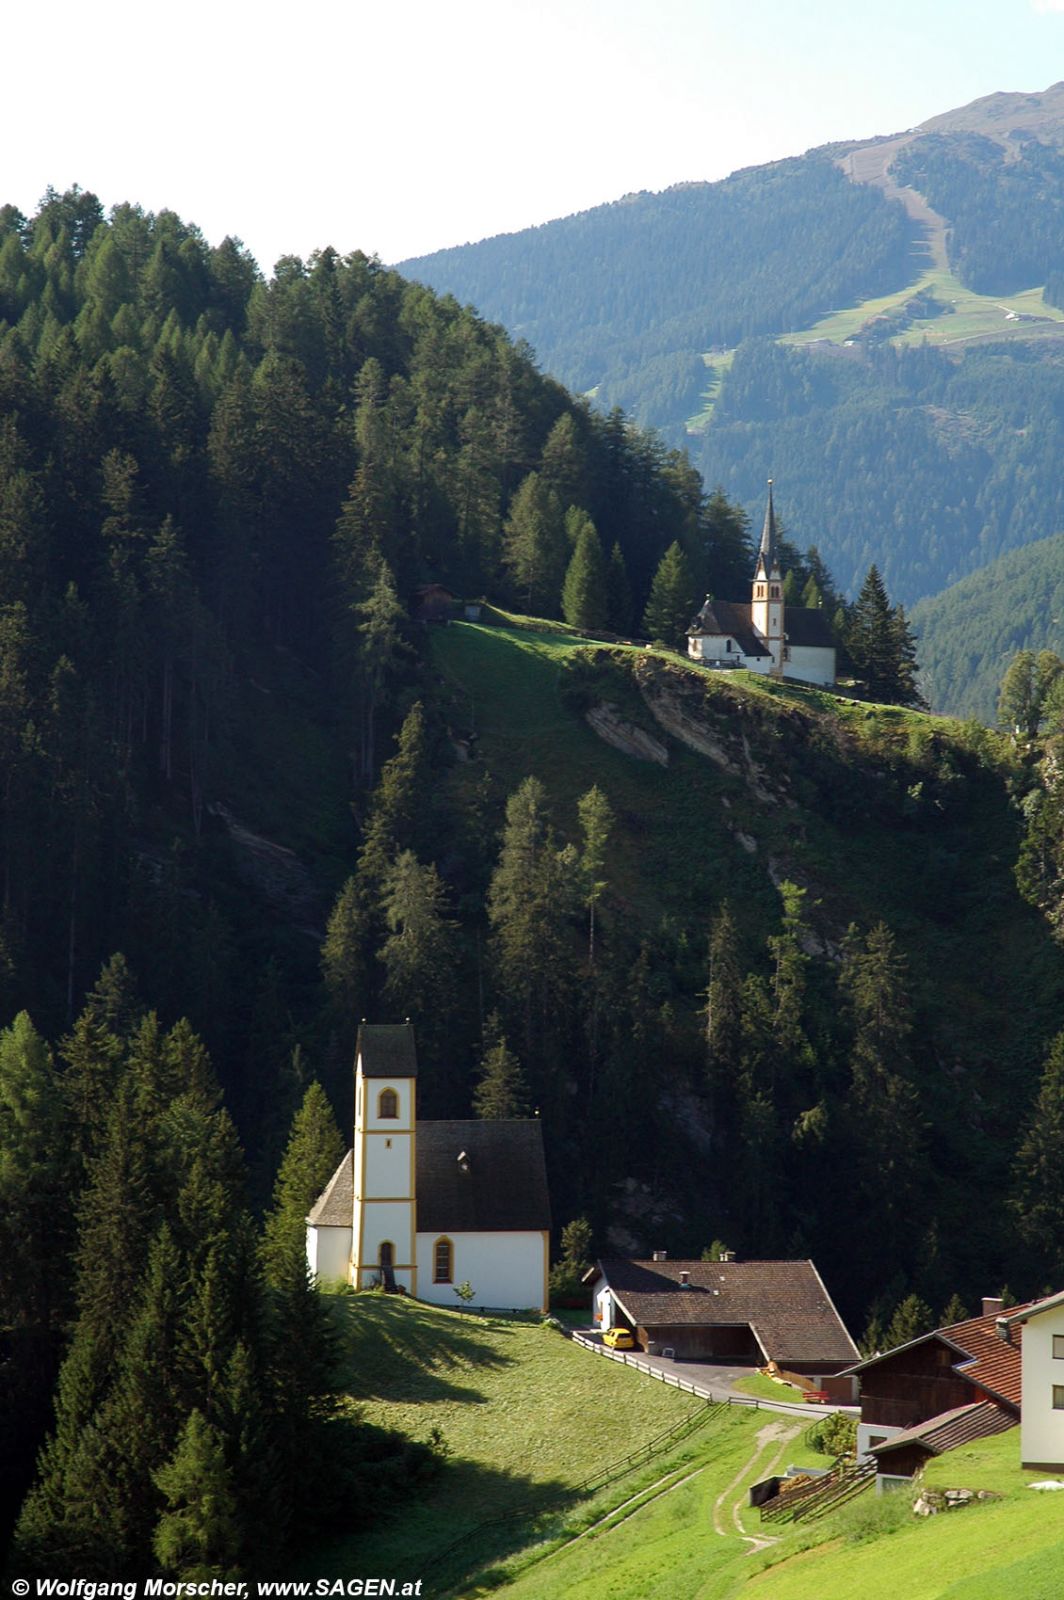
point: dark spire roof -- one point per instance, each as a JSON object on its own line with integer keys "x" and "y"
{"x": 387, "y": 1050}
{"x": 767, "y": 553}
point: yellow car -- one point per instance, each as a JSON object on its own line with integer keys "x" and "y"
{"x": 619, "y": 1339}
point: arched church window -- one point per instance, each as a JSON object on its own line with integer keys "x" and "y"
{"x": 388, "y": 1103}
{"x": 442, "y": 1261}
{"x": 386, "y": 1254}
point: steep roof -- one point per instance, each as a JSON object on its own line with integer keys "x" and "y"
{"x": 982, "y": 1355}
{"x": 728, "y": 619}
{"x": 807, "y": 625}
{"x": 785, "y": 1303}
{"x": 994, "y": 1362}
{"x": 481, "y": 1177}
{"x": 768, "y": 550}
{"x": 387, "y": 1050}
{"x": 334, "y": 1207}
{"x": 951, "y": 1428}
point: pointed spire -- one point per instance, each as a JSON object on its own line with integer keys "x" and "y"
{"x": 767, "y": 554}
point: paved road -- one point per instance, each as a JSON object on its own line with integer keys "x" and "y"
{"x": 718, "y": 1379}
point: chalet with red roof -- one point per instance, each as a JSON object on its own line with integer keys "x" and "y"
{"x": 960, "y": 1383}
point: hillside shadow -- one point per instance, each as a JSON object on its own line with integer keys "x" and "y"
{"x": 466, "y": 1523}
{"x": 392, "y": 1348}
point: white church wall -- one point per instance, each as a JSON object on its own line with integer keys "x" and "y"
{"x": 391, "y": 1222}
{"x": 506, "y": 1270}
{"x": 811, "y": 664}
{"x": 329, "y": 1253}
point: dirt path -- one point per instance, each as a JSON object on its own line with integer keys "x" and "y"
{"x": 774, "y": 1434}
{"x": 869, "y": 165}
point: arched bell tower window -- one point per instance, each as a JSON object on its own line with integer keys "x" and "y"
{"x": 442, "y": 1263}
{"x": 388, "y": 1103}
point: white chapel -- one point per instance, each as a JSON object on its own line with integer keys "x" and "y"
{"x": 766, "y": 635}
{"x": 422, "y": 1208}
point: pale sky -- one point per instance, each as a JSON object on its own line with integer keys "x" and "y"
{"x": 399, "y": 129}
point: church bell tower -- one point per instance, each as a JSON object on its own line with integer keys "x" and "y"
{"x": 384, "y": 1223}
{"x": 766, "y": 601}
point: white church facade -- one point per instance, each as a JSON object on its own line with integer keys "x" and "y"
{"x": 766, "y": 635}
{"x": 424, "y": 1208}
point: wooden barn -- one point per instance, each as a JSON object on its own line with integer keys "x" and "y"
{"x": 733, "y": 1312}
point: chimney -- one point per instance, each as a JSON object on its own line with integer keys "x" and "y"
{"x": 993, "y": 1307}
{"x": 1003, "y": 1329}
{"x": 685, "y": 1279}
{"x": 660, "y": 1255}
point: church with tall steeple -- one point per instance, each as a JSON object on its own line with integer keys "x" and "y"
{"x": 765, "y": 634}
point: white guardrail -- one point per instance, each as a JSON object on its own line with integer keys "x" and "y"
{"x": 703, "y": 1392}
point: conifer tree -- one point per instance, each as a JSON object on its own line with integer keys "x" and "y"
{"x": 618, "y": 592}
{"x": 197, "y": 1537}
{"x": 723, "y": 998}
{"x": 596, "y": 824}
{"x": 418, "y": 954}
{"x": 672, "y": 598}
{"x": 501, "y": 1091}
{"x": 912, "y": 1318}
{"x": 1038, "y": 1183}
{"x": 343, "y": 955}
{"x": 530, "y": 895}
{"x": 534, "y": 546}
{"x": 585, "y": 597}
{"x": 314, "y": 1151}
{"x": 881, "y": 646}
{"x": 953, "y": 1311}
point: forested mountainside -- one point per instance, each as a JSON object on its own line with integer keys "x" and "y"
{"x": 624, "y": 299}
{"x": 971, "y": 632}
{"x": 937, "y": 460}
{"x": 247, "y": 798}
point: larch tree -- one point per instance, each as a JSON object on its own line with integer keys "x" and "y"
{"x": 501, "y": 1090}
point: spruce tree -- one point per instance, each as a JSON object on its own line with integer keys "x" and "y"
{"x": 501, "y": 1091}
{"x": 672, "y": 598}
{"x": 618, "y": 592}
{"x": 534, "y": 546}
{"x": 314, "y": 1151}
{"x": 912, "y": 1318}
{"x": 585, "y": 596}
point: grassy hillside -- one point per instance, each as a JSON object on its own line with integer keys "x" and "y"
{"x": 970, "y": 632}
{"x": 525, "y": 1417}
{"x": 688, "y": 1540}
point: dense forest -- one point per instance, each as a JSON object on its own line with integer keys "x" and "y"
{"x": 971, "y": 632}
{"x": 247, "y": 797}
{"x": 927, "y": 463}
{"x": 624, "y": 299}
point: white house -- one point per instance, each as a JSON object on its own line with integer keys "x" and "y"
{"x": 766, "y": 635}
{"x": 1042, "y": 1386}
{"x": 423, "y": 1207}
